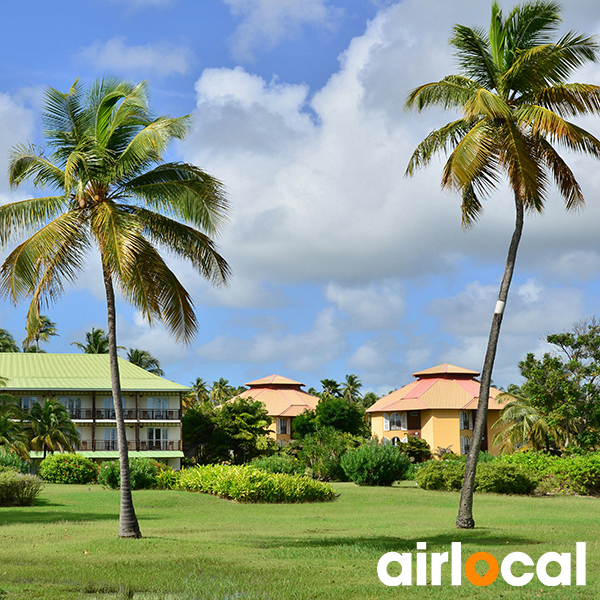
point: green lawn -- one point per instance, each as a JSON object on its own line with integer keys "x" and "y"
{"x": 200, "y": 547}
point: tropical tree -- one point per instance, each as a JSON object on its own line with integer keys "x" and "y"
{"x": 145, "y": 360}
{"x": 7, "y": 342}
{"x": 221, "y": 391}
{"x": 514, "y": 97}
{"x": 12, "y": 434}
{"x": 49, "y": 428}
{"x": 350, "y": 389}
{"x": 199, "y": 394}
{"x": 112, "y": 192}
{"x": 39, "y": 328}
{"x": 96, "y": 342}
{"x": 330, "y": 388}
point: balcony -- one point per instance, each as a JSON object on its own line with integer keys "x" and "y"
{"x": 159, "y": 414}
{"x": 160, "y": 445}
{"x": 129, "y": 414}
{"x": 145, "y": 445}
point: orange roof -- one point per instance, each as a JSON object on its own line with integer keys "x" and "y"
{"x": 282, "y": 396}
{"x": 442, "y": 387}
{"x": 274, "y": 380}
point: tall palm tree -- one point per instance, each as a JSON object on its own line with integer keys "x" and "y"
{"x": 50, "y": 428}
{"x": 113, "y": 192}
{"x": 7, "y": 342}
{"x": 330, "y": 388}
{"x": 514, "y": 97}
{"x": 145, "y": 360}
{"x": 221, "y": 391}
{"x": 351, "y": 388}
{"x": 198, "y": 394}
{"x": 96, "y": 342}
{"x": 39, "y": 328}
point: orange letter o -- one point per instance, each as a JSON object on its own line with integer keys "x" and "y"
{"x": 472, "y": 574}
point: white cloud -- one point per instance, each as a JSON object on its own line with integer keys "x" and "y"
{"x": 309, "y": 350}
{"x": 265, "y": 23}
{"x": 161, "y": 58}
{"x": 372, "y": 307}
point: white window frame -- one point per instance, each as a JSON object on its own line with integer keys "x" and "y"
{"x": 386, "y": 422}
{"x": 283, "y": 426}
{"x": 464, "y": 444}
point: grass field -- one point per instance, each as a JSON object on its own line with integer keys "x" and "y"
{"x": 200, "y": 547}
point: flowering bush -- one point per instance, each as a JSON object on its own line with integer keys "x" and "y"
{"x": 142, "y": 472}
{"x": 68, "y": 468}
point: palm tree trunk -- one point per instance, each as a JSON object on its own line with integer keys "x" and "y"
{"x": 464, "y": 520}
{"x": 128, "y": 524}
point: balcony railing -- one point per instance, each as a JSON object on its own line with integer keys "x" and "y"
{"x": 131, "y": 445}
{"x": 128, "y": 414}
{"x": 163, "y": 414}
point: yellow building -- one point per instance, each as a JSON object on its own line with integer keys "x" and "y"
{"x": 438, "y": 407}
{"x": 284, "y": 400}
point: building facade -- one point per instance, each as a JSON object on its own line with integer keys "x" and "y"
{"x": 438, "y": 407}
{"x": 284, "y": 400}
{"x": 151, "y": 404}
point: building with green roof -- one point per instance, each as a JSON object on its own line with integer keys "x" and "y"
{"x": 151, "y": 404}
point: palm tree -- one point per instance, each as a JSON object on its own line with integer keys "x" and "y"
{"x": 522, "y": 425}
{"x": 12, "y": 436}
{"x": 145, "y": 360}
{"x": 198, "y": 394}
{"x": 220, "y": 391}
{"x": 330, "y": 388}
{"x": 7, "y": 342}
{"x": 114, "y": 193}
{"x": 351, "y": 388}
{"x": 39, "y": 328}
{"x": 50, "y": 428}
{"x": 96, "y": 342}
{"x": 514, "y": 97}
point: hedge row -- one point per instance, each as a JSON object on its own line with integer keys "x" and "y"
{"x": 248, "y": 484}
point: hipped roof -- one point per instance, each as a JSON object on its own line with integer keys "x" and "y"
{"x": 442, "y": 387}
{"x": 76, "y": 372}
{"x": 282, "y": 397}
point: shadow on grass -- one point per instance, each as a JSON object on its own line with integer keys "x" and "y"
{"x": 27, "y": 515}
{"x": 435, "y": 543}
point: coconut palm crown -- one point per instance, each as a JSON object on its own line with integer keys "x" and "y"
{"x": 109, "y": 189}
{"x": 515, "y": 101}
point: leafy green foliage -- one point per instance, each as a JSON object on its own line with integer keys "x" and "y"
{"x": 143, "y": 473}
{"x": 248, "y": 484}
{"x": 341, "y": 414}
{"x": 18, "y": 489}
{"x": 69, "y": 468}
{"x": 444, "y": 475}
{"x": 374, "y": 464}
{"x": 304, "y": 424}
{"x": 279, "y": 463}
{"x": 13, "y": 461}
{"x": 417, "y": 449}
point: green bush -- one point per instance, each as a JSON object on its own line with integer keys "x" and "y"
{"x": 374, "y": 464}
{"x": 279, "y": 463}
{"x": 504, "y": 478}
{"x": 17, "y": 489}
{"x": 492, "y": 476}
{"x": 247, "y": 484}
{"x": 142, "y": 472}
{"x": 417, "y": 449}
{"x": 68, "y": 468}
{"x": 11, "y": 460}
{"x": 167, "y": 480}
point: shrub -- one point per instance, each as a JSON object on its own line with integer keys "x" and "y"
{"x": 416, "y": 449}
{"x": 167, "y": 480}
{"x": 11, "y": 460}
{"x": 68, "y": 468}
{"x": 444, "y": 475}
{"x": 372, "y": 464}
{"x": 17, "y": 489}
{"x": 142, "y": 471}
{"x": 248, "y": 484}
{"x": 504, "y": 478}
{"x": 279, "y": 463}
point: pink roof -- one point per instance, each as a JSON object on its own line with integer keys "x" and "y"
{"x": 442, "y": 387}
{"x": 281, "y": 396}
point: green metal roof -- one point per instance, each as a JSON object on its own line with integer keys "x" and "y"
{"x": 76, "y": 372}
{"x": 115, "y": 454}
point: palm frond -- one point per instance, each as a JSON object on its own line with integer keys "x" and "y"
{"x": 453, "y": 91}
{"x": 567, "y": 99}
{"x": 473, "y": 54}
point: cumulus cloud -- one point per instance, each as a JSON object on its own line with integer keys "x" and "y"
{"x": 310, "y": 350}
{"x": 265, "y": 23}
{"x": 161, "y": 58}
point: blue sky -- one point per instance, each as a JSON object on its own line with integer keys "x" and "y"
{"x": 340, "y": 264}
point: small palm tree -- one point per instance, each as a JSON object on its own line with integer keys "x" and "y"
{"x": 351, "y": 388}
{"x": 145, "y": 360}
{"x": 96, "y": 342}
{"x": 7, "y": 342}
{"x": 330, "y": 388}
{"x": 50, "y": 428}
{"x": 198, "y": 394}
{"x": 114, "y": 192}
{"x": 39, "y": 328}
{"x": 514, "y": 98}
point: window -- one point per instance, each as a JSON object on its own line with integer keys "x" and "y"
{"x": 466, "y": 419}
{"x": 110, "y": 438}
{"x": 109, "y": 408}
{"x": 395, "y": 441}
{"x": 73, "y": 405}
{"x": 386, "y": 440}
{"x": 159, "y": 407}
{"x": 28, "y": 401}
{"x": 464, "y": 444}
{"x": 283, "y": 425}
{"x": 157, "y": 438}
{"x": 398, "y": 421}
{"x": 386, "y": 422}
